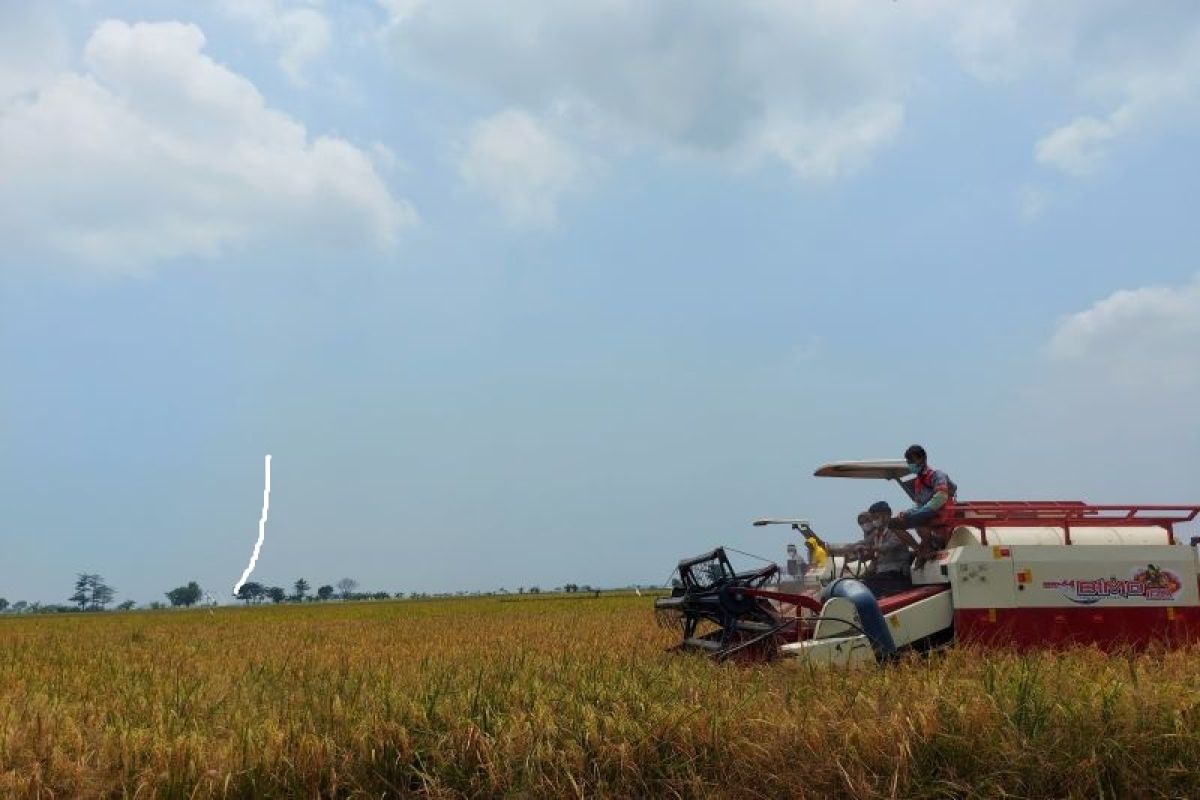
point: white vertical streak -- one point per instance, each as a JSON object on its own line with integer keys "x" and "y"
{"x": 262, "y": 528}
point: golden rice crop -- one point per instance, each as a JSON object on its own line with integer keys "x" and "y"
{"x": 558, "y": 698}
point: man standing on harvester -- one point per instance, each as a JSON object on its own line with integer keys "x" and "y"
{"x": 933, "y": 492}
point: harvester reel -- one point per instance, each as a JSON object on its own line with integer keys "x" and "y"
{"x": 713, "y": 611}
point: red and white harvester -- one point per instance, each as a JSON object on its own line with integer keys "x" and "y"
{"x": 1012, "y": 574}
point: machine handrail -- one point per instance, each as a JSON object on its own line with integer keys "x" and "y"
{"x": 1075, "y": 512}
{"x": 1068, "y": 514}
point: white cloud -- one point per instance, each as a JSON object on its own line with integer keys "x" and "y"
{"x": 156, "y": 151}
{"x": 817, "y": 86}
{"x": 1134, "y": 68}
{"x": 1146, "y": 338}
{"x": 1109, "y": 415}
{"x": 1078, "y": 147}
{"x": 826, "y": 149}
{"x": 821, "y": 87}
{"x": 1006, "y": 42}
{"x": 1159, "y": 86}
{"x": 521, "y": 165}
{"x": 1145, "y": 97}
{"x": 1114, "y": 403}
{"x": 33, "y": 48}
{"x": 302, "y": 32}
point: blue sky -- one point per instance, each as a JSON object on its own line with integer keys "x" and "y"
{"x": 525, "y": 293}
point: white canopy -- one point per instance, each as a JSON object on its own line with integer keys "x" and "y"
{"x": 879, "y": 469}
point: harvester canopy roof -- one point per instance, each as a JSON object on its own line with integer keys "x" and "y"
{"x": 888, "y": 469}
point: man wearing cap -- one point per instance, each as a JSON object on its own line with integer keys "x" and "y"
{"x": 890, "y": 551}
{"x": 891, "y": 571}
{"x": 933, "y": 492}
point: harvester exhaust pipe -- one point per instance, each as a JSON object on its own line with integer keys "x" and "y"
{"x": 873, "y": 623}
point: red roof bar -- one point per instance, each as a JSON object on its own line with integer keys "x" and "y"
{"x": 1068, "y": 514}
{"x": 1021, "y": 512}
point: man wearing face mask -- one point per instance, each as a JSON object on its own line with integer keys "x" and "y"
{"x": 933, "y": 492}
{"x": 860, "y": 550}
{"x": 890, "y": 573}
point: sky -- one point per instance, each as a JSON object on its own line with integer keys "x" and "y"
{"x": 528, "y": 292}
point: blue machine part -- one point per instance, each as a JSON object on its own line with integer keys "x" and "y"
{"x": 873, "y": 623}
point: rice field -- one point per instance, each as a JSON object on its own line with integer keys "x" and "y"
{"x": 558, "y": 698}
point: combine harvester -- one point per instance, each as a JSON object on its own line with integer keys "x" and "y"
{"x": 1012, "y": 574}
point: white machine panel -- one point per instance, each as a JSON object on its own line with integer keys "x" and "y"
{"x": 1097, "y": 575}
{"x": 982, "y": 577}
{"x": 921, "y": 619}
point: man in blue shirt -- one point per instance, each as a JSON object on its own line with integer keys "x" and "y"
{"x": 933, "y": 493}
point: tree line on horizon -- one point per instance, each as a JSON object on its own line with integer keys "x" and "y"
{"x": 92, "y": 593}
{"x": 254, "y": 592}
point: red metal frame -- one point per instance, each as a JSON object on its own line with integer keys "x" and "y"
{"x": 895, "y": 602}
{"x": 1065, "y": 514}
{"x": 802, "y": 600}
{"x": 887, "y": 604}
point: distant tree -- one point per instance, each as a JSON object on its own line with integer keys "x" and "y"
{"x": 302, "y": 588}
{"x": 91, "y": 592}
{"x": 83, "y": 590}
{"x": 399, "y": 595}
{"x": 186, "y": 595}
{"x": 324, "y": 592}
{"x": 251, "y": 591}
{"x": 126, "y": 606}
{"x": 535, "y": 590}
{"x": 346, "y": 586}
{"x": 277, "y": 594}
{"x": 3, "y": 604}
{"x": 381, "y": 596}
{"x": 20, "y": 607}
{"x": 155, "y": 605}
{"x": 102, "y": 595}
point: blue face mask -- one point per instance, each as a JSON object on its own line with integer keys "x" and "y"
{"x": 914, "y": 469}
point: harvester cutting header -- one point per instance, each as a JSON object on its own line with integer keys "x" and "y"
{"x": 996, "y": 573}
